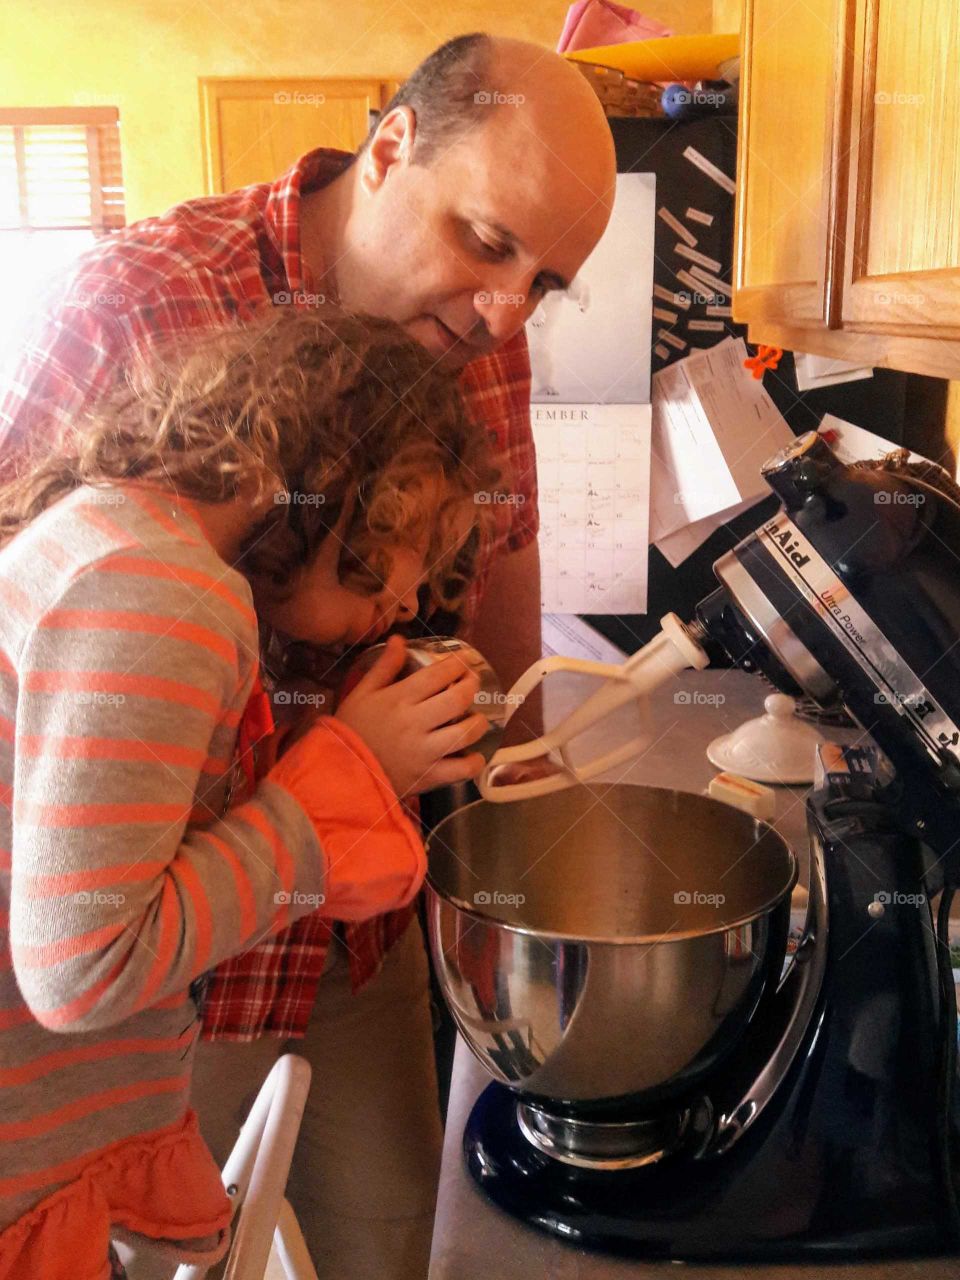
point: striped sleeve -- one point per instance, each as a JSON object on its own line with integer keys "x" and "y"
{"x": 130, "y": 692}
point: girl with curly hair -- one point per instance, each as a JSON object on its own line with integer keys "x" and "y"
{"x": 314, "y": 473}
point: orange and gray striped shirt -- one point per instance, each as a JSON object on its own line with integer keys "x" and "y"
{"x": 128, "y": 650}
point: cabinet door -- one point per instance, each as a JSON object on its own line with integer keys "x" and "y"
{"x": 791, "y": 167}
{"x": 255, "y": 129}
{"x": 902, "y": 269}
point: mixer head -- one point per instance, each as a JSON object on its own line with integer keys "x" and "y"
{"x": 851, "y": 594}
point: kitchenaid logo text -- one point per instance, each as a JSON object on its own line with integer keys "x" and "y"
{"x": 788, "y": 544}
{"x": 791, "y": 546}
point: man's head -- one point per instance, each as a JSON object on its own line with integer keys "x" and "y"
{"x": 487, "y": 182}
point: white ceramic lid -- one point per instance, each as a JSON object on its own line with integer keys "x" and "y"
{"x": 776, "y": 747}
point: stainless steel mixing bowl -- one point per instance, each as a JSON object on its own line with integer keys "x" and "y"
{"x": 601, "y": 943}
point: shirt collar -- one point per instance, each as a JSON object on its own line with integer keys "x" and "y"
{"x": 282, "y": 210}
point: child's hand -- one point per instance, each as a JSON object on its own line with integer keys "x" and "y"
{"x": 406, "y": 723}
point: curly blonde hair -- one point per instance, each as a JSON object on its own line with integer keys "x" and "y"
{"x": 338, "y": 416}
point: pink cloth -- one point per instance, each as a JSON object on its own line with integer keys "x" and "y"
{"x": 592, "y": 22}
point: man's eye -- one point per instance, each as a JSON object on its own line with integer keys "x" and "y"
{"x": 490, "y": 250}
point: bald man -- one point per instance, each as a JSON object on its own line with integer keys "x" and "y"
{"x": 485, "y": 184}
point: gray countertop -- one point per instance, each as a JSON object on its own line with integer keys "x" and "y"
{"x": 473, "y": 1238}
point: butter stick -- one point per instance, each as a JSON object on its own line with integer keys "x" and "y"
{"x": 752, "y": 797}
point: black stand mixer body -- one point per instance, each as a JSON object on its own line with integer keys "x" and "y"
{"x": 832, "y": 1128}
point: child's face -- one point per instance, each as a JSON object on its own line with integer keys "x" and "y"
{"x": 321, "y": 610}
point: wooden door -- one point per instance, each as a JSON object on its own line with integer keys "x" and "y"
{"x": 902, "y": 267}
{"x": 255, "y": 129}
{"x": 791, "y": 168}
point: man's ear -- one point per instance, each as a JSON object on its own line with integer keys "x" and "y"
{"x": 391, "y": 144}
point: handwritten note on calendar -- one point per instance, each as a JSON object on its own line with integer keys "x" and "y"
{"x": 593, "y": 467}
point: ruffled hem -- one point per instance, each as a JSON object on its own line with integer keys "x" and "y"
{"x": 164, "y": 1185}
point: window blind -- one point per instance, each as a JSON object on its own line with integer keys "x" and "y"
{"x": 60, "y": 170}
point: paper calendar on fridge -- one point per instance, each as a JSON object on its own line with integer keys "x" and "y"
{"x": 593, "y": 467}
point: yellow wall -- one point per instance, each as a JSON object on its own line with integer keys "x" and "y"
{"x": 146, "y": 56}
{"x": 727, "y": 15}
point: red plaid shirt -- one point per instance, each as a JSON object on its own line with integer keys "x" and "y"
{"x": 206, "y": 263}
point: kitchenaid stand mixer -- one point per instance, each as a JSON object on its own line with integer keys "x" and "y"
{"x": 826, "y": 1121}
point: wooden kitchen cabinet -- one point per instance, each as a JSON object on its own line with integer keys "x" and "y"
{"x": 848, "y": 192}
{"x": 255, "y": 129}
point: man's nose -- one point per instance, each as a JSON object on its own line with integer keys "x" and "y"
{"x": 504, "y": 310}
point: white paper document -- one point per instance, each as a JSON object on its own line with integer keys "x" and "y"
{"x": 593, "y": 474}
{"x": 680, "y": 544}
{"x": 856, "y": 444}
{"x": 824, "y": 371}
{"x": 570, "y": 636}
{"x": 713, "y": 428}
{"x": 592, "y": 343}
